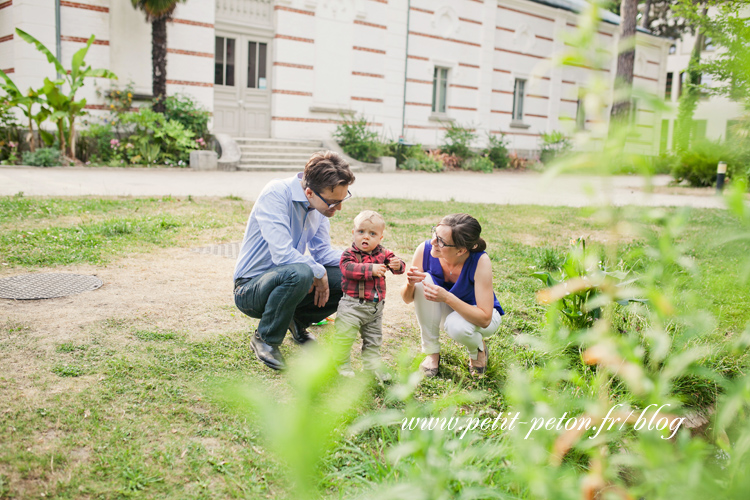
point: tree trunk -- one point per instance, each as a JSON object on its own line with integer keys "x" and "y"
{"x": 625, "y": 62}
{"x": 159, "y": 62}
{"x": 646, "y": 14}
{"x": 30, "y": 135}
{"x": 691, "y": 92}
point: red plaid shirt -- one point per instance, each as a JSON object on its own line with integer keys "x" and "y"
{"x": 354, "y": 270}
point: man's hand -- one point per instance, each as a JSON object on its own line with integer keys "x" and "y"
{"x": 379, "y": 270}
{"x": 321, "y": 290}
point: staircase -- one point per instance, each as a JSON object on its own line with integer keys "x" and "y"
{"x": 276, "y": 154}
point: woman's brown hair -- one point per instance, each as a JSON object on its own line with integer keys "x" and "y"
{"x": 465, "y": 231}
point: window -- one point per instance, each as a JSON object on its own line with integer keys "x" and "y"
{"x": 224, "y": 61}
{"x": 699, "y": 129}
{"x": 683, "y": 76}
{"x": 580, "y": 115}
{"x": 673, "y": 49}
{"x": 439, "y": 89}
{"x": 664, "y": 137}
{"x": 668, "y": 89}
{"x": 256, "y": 65}
{"x": 518, "y": 95}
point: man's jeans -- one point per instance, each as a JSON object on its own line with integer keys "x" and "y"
{"x": 280, "y": 294}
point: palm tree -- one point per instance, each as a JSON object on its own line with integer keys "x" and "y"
{"x": 158, "y": 12}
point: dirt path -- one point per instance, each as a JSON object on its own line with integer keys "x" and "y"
{"x": 166, "y": 289}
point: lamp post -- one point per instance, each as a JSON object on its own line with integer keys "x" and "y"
{"x": 721, "y": 173}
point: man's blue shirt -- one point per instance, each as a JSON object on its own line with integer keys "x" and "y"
{"x": 282, "y": 225}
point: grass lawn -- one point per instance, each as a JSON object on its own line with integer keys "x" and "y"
{"x": 130, "y": 408}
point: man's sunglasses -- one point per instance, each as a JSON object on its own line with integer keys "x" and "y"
{"x": 330, "y": 204}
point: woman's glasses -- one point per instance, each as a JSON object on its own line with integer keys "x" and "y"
{"x": 440, "y": 241}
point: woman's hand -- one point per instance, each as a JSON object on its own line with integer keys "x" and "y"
{"x": 414, "y": 275}
{"x": 435, "y": 293}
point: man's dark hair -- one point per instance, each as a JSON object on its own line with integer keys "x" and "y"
{"x": 327, "y": 169}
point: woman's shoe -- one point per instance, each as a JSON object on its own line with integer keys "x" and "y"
{"x": 430, "y": 372}
{"x": 480, "y": 370}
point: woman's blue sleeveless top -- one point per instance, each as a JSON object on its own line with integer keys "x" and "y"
{"x": 463, "y": 288}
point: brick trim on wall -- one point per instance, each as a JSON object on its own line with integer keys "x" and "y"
{"x": 462, "y": 108}
{"x": 535, "y": 116}
{"x": 80, "y": 39}
{"x": 365, "y": 49}
{"x": 294, "y": 38}
{"x": 501, "y": 70}
{"x": 292, "y": 92}
{"x": 381, "y": 1}
{"x": 540, "y": 37}
{"x": 77, "y": 5}
{"x": 190, "y": 23}
{"x": 296, "y": 11}
{"x": 190, "y": 53}
{"x": 534, "y": 96}
{"x": 192, "y": 84}
{"x": 416, "y": 33}
{"x": 501, "y": 112}
{"x": 370, "y": 75}
{"x": 291, "y": 65}
{"x": 9, "y": 71}
{"x": 418, "y": 104}
{"x": 502, "y": 28}
{"x": 6, "y": 4}
{"x": 469, "y": 20}
{"x": 569, "y": 81}
{"x": 6, "y": 38}
{"x": 418, "y": 58}
{"x": 368, "y": 99}
{"x": 467, "y": 65}
{"x": 413, "y": 80}
{"x": 371, "y": 25}
{"x": 515, "y": 133}
{"x": 458, "y": 86}
{"x": 646, "y": 78}
{"x": 422, "y": 10}
{"x": 569, "y": 100}
{"x": 502, "y": 91}
{"x": 519, "y": 53}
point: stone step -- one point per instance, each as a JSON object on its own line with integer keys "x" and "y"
{"x": 278, "y": 155}
{"x": 242, "y": 141}
{"x": 251, "y": 160}
{"x": 279, "y": 168}
{"x": 271, "y": 150}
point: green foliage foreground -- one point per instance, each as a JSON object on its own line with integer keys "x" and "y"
{"x": 125, "y": 408}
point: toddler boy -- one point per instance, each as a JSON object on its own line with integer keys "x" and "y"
{"x": 363, "y": 268}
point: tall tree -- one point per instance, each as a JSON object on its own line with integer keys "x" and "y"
{"x": 158, "y": 12}
{"x": 691, "y": 87}
{"x": 625, "y": 61}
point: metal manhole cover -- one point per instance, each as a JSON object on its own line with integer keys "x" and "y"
{"x": 229, "y": 250}
{"x": 46, "y": 285}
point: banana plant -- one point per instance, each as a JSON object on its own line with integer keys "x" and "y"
{"x": 63, "y": 106}
{"x": 26, "y": 102}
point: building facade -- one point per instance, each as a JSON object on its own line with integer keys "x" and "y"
{"x": 293, "y": 68}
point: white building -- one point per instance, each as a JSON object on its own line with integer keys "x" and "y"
{"x": 290, "y": 68}
{"x": 713, "y": 115}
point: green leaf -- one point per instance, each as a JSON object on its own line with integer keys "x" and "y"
{"x": 41, "y": 48}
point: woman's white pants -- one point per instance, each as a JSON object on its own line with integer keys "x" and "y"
{"x": 432, "y": 316}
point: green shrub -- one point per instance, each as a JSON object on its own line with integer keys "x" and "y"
{"x": 191, "y": 115}
{"x": 497, "y": 151}
{"x": 95, "y": 143}
{"x": 479, "y": 164}
{"x": 698, "y": 165}
{"x": 156, "y": 139}
{"x": 426, "y": 164}
{"x": 42, "y": 157}
{"x": 357, "y": 140}
{"x": 554, "y": 144}
{"x": 664, "y": 163}
{"x": 457, "y": 141}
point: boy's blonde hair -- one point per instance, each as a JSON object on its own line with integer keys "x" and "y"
{"x": 370, "y": 215}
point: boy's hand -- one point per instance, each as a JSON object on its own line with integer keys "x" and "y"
{"x": 396, "y": 264}
{"x": 379, "y": 270}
